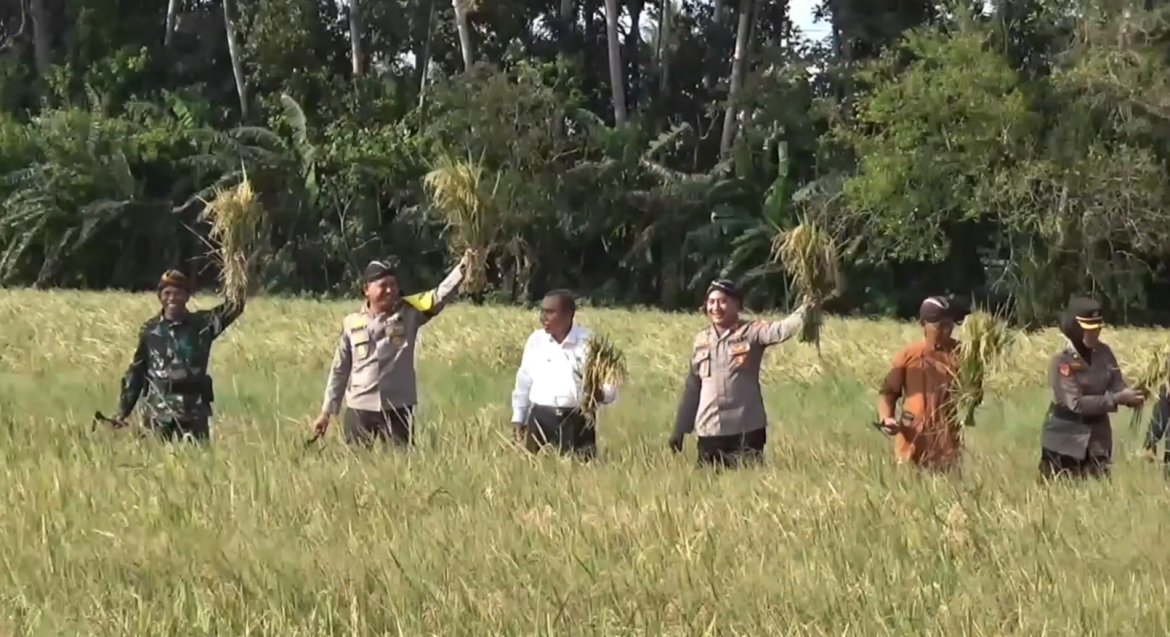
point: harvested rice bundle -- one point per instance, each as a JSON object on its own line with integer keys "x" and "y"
{"x": 237, "y": 219}
{"x": 982, "y": 351}
{"x": 471, "y": 216}
{"x": 605, "y": 364}
{"x": 1152, "y": 377}
{"x": 809, "y": 256}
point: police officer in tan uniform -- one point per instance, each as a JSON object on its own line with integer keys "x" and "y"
{"x": 373, "y": 365}
{"x": 721, "y": 402}
{"x": 1087, "y": 386}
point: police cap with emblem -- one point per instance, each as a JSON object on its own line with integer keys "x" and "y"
{"x": 1086, "y": 312}
{"x": 727, "y": 287}
{"x": 377, "y": 270}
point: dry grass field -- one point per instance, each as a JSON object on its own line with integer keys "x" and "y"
{"x": 105, "y": 534}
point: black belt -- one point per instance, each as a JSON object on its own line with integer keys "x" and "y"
{"x": 561, "y": 412}
{"x": 1064, "y": 413}
{"x": 200, "y": 385}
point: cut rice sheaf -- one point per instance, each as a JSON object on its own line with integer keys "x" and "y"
{"x": 471, "y": 216}
{"x": 237, "y": 219}
{"x": 809, "y": 256}
{"x": 605, "y": 364}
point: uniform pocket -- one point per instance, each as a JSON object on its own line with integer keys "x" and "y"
{"x": 702, "y": 361}
{"x": 739, "y": 354}
{"x": 361, "y": 343}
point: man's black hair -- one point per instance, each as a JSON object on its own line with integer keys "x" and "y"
{"x": 566, "y": 298}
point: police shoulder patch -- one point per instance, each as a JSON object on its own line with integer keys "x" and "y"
{"x": 1065, "y": 369}
{"x": 355, "y": 321}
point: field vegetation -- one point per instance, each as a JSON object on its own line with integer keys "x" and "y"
{"x": 105, "y": 534}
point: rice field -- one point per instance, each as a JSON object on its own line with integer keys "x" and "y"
{"x": 105, "y": 534}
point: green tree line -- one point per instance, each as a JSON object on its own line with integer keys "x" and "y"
{"x": 1012, "y": 151}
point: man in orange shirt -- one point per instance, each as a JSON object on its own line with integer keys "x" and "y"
{"x": 928, "y": 432}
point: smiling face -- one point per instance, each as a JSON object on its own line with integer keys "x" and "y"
{"x": 382, "y": 294}
{"x": 174, "y": 302}
{"x": 722, "y": 309}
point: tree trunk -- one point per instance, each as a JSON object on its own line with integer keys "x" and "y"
{"x": 172, "y": 11}
{"x": 566, "y": 16}
{"x": 423, "y": 59}
{"x": 717, "y": 31}
{"x": 664, "y": 47}
{"x": 633, "y": 44}
{"x": 615, "y": 62}
{"x": 234, "y": 51}
{"x": 42, "y": 47}
{"x": 355, "y": 37}
{"x": 464, "y": 33}
{"x": 738, "y": 65}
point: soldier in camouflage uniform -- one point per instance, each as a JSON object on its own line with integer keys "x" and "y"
{"x": 170, "y": 363}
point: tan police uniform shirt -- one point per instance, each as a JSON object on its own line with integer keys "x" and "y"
{"x": 373, "y": 365}
{"x": 722, "y": 395}
{"x": 1084, "y": 394}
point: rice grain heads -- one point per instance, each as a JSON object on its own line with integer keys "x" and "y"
{"x": 1152, "y": 376}
{"x": 472, "y": 218}
{"x": 982, "y": 351}
{"x": 605, "y": 364}
{"x": 237, "y": 219}
{"x": 810, "y": 258}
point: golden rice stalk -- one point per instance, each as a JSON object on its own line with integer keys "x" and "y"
{"x": 810, "y": 258}
{"x": 982, "y": 351}
{"x": 472, "y": 218}
{"x": 605, "y": 364}
{"x": 237, "y": 219}
{"x": 1152, "y": 377}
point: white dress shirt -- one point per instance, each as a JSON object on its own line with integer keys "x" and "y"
{"x": 550, "y": 373}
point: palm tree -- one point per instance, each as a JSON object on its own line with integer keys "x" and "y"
{"x": 738, "y": 69}
{"x": 461, "y": 24}
{"x": 234, "y": 52}
{"x": 616, "y": 79}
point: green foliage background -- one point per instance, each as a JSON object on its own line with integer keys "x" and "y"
{"x": 1014, "y": 152}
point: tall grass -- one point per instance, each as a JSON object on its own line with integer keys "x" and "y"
{"x": 466, "y": 535}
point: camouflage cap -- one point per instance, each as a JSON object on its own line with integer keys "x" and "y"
{"x": 174, "y": 279}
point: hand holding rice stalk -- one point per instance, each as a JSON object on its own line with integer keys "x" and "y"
{"x": 983, "y": 348}
{"x": 1152, "y": 378}
{"x": 471, "y": 217}
{"x": 236, "y": 218}
{"x": 605, "y": 364}
{"x": 809, "y": 256}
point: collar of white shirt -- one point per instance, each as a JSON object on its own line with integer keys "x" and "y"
{"x": 576, "y": 335}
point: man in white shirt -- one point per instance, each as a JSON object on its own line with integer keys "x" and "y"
{"x": 548, "y": 384}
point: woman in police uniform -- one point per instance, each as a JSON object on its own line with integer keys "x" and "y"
{"x": 1087, "y": 386}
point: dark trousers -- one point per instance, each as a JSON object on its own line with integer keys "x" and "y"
{"x": 1055, "y": 465}
{"x": 564, "y": 429}
{"x": 393, "y": 425}
{"x": 734, "y": 450}
{"x": 173, "y": 430}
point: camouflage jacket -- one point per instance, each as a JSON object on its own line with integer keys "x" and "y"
{"x": 170, "y": 364}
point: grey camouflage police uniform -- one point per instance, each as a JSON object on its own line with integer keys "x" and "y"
{"x": 1084, "y": 394}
